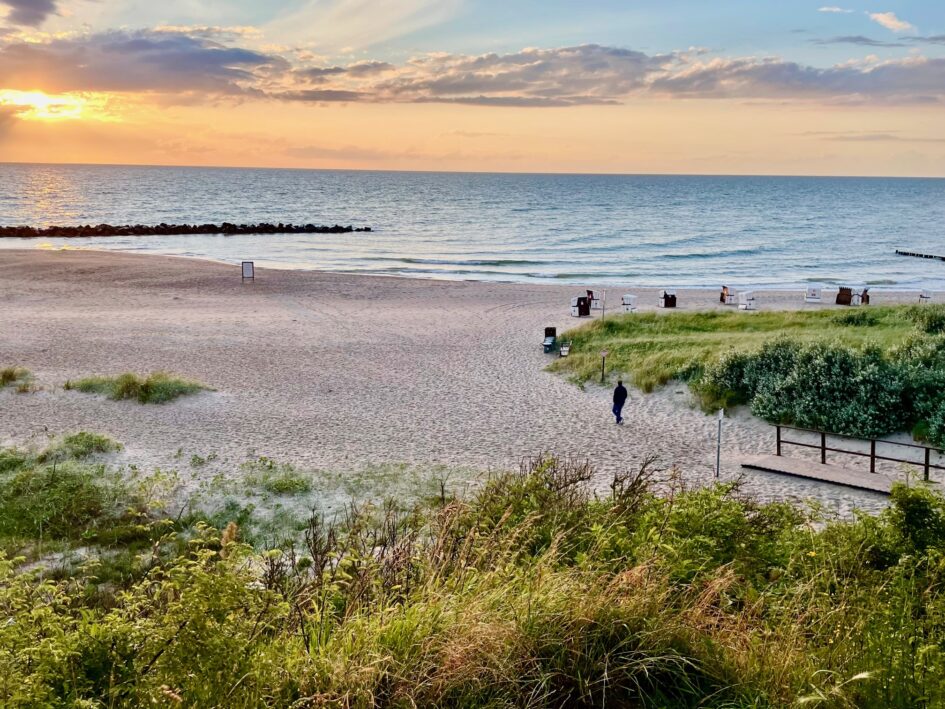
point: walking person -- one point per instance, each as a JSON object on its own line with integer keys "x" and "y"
{"x": 620, "y": 398}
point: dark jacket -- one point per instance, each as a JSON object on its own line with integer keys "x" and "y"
{"x": 620, "y": 394}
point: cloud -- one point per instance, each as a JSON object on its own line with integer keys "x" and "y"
{"x": 29, "y": 12}
{"x": 145, "y": 60}
{"x": 934, "y": 39}
{"x": 317, "y": 75}
{"x": 876, "y": 137}
{"x": 582, "y": 75}
{"x": 834, "y": 9}
{"x": 858, "y": 40}
{"x": 205, "y": 63}
{"x": 890, "y": 21}
{"x": 911, "y": 80}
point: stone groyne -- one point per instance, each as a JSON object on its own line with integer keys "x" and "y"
{"x": 226, "y": 228}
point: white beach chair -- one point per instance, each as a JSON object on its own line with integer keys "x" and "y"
{"x": 594, "y": 298}
{"x": 746, "y": 300}
{"x": 814, "y": 294}
{"x": 565, "y": 349}
{"x": 925, "y": 297}
{"x": 629, "y": 303}
{"x": 668, "y": 298}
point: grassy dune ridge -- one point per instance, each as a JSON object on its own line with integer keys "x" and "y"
{"x": 531, "y": 592}
{"x": 868, "y": 372}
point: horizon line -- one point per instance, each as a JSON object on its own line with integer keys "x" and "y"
{"x": 474, "y": 172}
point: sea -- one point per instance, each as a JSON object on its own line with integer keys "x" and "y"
{"x": 628, "y": 230}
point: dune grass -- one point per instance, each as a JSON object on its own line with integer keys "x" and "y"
{"x": 530, "y": 593}
{"x": 155, "y": 388}
{"x": 18, "y": 377}
{"x": 651, "y": 349}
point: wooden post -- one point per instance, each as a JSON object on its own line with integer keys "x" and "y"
{"x": 823, "y": 448}
{"x": 928, "y": 453}
{"x": 873, "y": 456}
{"x": 779, "y": 440}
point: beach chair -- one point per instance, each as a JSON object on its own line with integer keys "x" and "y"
{"x": 727, "y": 297}
{"x": 925, "y": 297}
{"x": 861, "y": 297}
{"x": 565, "y": 349}
{"x": 580, "y": 307}
{"x": 668, "y": 298}
{"x": 746, "y": 300}
{"x": 629, "y": 303}
{"x": 551, "y": 337}
{"x": 594, "y": 299}
{"x": 813, "y": 294}
{"x": 845, "y": 296}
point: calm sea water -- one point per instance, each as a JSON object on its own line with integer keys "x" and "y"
{"x": 630, "y": 230}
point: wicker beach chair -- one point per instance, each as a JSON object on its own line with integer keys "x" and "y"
{"x": 551, "y": 337}
{"x": 727, "y": 296}
{"x": 845, "y": 296}
{"x": 565, "y": 349}
{"x": 668, "y": 298}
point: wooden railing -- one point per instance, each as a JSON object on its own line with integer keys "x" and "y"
{"x": 925, "y": 463}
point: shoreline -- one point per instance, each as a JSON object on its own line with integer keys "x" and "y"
{"x": 898, "y": 291}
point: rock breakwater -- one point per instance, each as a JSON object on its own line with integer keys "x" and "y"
{"x": 226, "y": 228}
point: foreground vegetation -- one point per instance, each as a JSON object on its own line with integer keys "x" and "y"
{"x": 864, "y": 372}
{"x": 529, "y": 593}
{"x": 156, "y": 388}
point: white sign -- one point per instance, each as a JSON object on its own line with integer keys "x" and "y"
{"x": 249, "y": 271}
{"x": 604, "y": 353}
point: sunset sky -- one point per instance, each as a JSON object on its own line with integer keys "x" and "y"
{"x": 675, "y": 86}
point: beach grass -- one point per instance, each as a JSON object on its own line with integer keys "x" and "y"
{"x": 651, "y": 349}
{"x": 155, "y": 388}
{"x": 532, "y": 592}
{"x": 18, "y": 377}
{"x": 275, "y": 477}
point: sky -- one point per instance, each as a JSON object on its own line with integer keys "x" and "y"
{"x": 604, "y": 86}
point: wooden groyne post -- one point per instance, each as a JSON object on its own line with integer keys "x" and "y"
{"x": 900, "y": 252}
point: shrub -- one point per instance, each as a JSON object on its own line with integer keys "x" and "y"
{"x": 930, "y": 319}
{"x": 936, "y": 426}
{"x": 156, "y": 388}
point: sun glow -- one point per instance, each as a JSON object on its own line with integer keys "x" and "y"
{"x": 37, "y": 105}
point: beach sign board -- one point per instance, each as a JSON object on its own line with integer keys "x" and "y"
{"x": 249, "y": 271}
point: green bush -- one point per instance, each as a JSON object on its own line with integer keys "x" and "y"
{"x": 936, "y": 426}
{"x": 820, "y": 386}
{"x": 156, "y": 388}
{"x": 930, "y": 319}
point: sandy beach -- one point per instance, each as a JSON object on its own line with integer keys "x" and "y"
{"x": 335, "y": 372}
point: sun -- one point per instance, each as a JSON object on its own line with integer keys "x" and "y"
{"x": 37, "y": 105}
